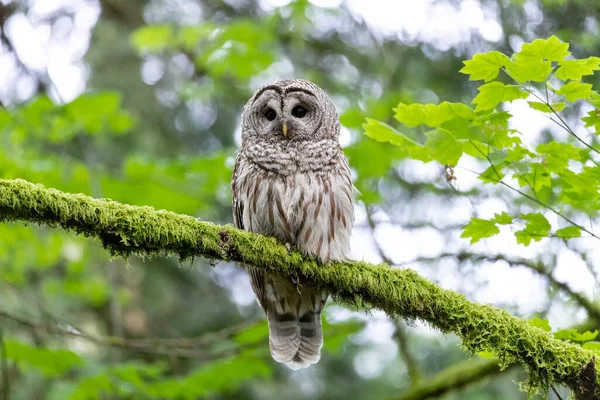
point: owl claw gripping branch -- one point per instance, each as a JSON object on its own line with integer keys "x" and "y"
{"x": 292, "y": 181}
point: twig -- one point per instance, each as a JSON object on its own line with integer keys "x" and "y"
{"x": 400, "y": 334}
{"x": 563, "y": 124}
{"x": 373, "y": 226}
{"x": 582, "y": 228}
{"x": 410, "y": 361}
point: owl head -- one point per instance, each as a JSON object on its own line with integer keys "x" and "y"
{"x": 290, "y": 111}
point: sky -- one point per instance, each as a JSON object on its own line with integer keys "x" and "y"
{"x": 443, "y": 25}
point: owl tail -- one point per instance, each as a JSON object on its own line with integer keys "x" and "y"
{"x": 294, "y": 340}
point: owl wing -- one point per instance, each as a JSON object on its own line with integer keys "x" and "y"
{"x": 257, "y": 275}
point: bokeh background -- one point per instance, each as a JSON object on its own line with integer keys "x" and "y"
{"x": 140, "y": 101}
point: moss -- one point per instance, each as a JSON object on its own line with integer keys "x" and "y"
{"x": 127, "y": 230}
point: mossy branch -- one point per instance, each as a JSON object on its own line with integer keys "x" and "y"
{"x": 127, "y": 230}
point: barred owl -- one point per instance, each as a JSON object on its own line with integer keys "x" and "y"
{"x": 291, "y": 180}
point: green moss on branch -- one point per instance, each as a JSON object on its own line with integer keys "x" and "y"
{"x": 129, "y": 230}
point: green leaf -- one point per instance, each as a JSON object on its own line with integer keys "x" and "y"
{"x": 474, "y": 148}
{"x": 503, "y": 218}
{"x": 593, "y": 346}
{"x": 494, "y": 93}
{"x": 189, "y": 36}
{"x": 219, "y": 376}
{"x": 485, "y": 65}
{"x": 551, "y": 49}
{"x": 540, "y": 323}
{"x": 575, "y": 69}
{"x": 443, "y": 147}
{"x": 529, "y": 70}
{"x": 92, "y": 110}
{"x": 593, "y": 119}
{"x": 431, "y": 114}
{"x": 337, "y": 334}
{"x": 49, "y": 361}
{"x": 537, "y": 227}
{"x": 411, "y": 114}
{"x": 121, "y": 122}
{"x": 353, "y": 118}
{"x": 557, "y": 155}
{"x": 574, "y": 91}
{"x": 493, "y": 129}
{"x": 581, "y": 189}
{"x": 523, "y": 238}
{"x": 595, "y": 99}
{"x": 493, "y": 174}
{"x": 478, "y": 229}
{"x": 543, "y": 107}
{"x": 572, "y": 334}
{"x": 152, "y": 38}
{"x": 536, "y": 222}
{"x": 372, "y": 160}
{"x": 382, "y": 132}
{"x": 240, "y": 49}
{"x": 256, "y": 333}
{"x": 517, "y": 153}
{"x": 569, "y": 232}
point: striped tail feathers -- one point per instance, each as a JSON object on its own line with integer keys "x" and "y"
{"x": 295, "y": 341}
{"x": 311, "y": 340}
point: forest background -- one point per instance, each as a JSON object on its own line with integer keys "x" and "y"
{"x": 140, "y": 102}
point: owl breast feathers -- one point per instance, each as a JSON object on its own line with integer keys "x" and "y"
{"x": 291, "y": 180}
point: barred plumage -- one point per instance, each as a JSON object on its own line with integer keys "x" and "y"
{"x": 291, "y": 180}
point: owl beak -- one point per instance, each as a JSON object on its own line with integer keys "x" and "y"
{"x": 284, "y": 129}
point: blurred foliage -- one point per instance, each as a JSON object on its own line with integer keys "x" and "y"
{"x": 158, "y": 125}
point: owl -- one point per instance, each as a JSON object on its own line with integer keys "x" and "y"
{"x": 292, "y": 181}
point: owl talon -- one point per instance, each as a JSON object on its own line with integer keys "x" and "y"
{"x": 288, "y": 246}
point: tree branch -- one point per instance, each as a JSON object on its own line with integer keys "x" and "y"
{"x": 412, "y": 365}
{"x": 453, "y": 378}
{"x": 126, "y": 230}
{"x": 192, "y": 347}
{"x": 592, "y": 309}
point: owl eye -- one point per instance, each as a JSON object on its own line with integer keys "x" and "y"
{"x": 270, "y": 114}
{"x": 299, "y": 112}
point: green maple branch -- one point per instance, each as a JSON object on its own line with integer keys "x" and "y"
{"x": 563, "y": 124}
{"x": 544, "y": 205}
{"x": 126, "y": 230}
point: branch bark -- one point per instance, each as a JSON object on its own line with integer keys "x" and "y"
{"x": 126, "y": 230}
